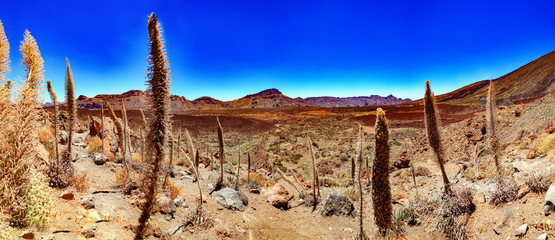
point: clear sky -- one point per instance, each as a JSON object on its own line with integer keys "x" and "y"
{"x": 227, "y": 49}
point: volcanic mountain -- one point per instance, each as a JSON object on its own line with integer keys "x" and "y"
{"x": 533, "y": 80}
{"x": 269, "y": 98}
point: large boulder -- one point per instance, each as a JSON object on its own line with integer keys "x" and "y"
{"x": 336, "y": 203}
{"x": 549, "y": 205}
{"x": 279, "y": 197}
{"x": 229, "y": 198}
{"x": 94, "y": 126}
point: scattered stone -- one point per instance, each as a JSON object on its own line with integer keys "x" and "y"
{"x": 543, "y": 236}
{"x": 549, "y": 200}
{"x": 222, "y": 230}
{"x": 517, "y": 112}
{"x": 506, "y": 222}
{"x": 490, "y": 181}
{"x": 62, "y": 138}
{"x": 180, "y": 202}
{"x": 89, "y": 232}
{"x": 521, "y": 231}
{"x": 67, "y": 195}
{"x": 28, "y": 235}
{"x": 88, "y": 202}
{"x": 401, "y": 163}
{"x": 229, "y": 198}
{"x": 279, "y": 197}
{"x": 98, "y": 158}
{"x": 336, "y": 203}
{"x": 79, "y": 142}
{"x": 164, "y": 204}
{"x": 255, "y": 191}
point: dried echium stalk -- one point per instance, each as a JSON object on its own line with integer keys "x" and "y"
{"x": 381, "y": 191}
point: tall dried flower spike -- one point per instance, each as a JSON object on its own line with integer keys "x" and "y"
{"x": 70, "y": 98}
{"x": 432, "y": 129}
{"x": 55, "y": 102}
{"x": 32, "y": 62}
{"x": 158, "y": 93}
{"x": 381, "y": 191}
{"x": 119, "y": 128}
{"x": 4, "y": 53}
{"x": 221, "y": 153}
{"x": 360, "y": 193}
{"x": 491, "y": 127}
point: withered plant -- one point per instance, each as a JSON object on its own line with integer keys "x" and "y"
{"x": 381, "y": 191}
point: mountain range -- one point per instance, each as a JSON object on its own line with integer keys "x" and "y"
{"x": 269, "y": 98}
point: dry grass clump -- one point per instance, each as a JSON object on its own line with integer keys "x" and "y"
{"x": 199, "y": 218}
{"x": 351, "y": 194}
{"x": 543, "y": 144}
{"x": 538, "y": 183}
{"x": 80, "y": 182}
{"x": 45, "y": 133}
{"x": 137, "y": 157}
{"x": 261, "y": 180}
{"x": 95, "y": 144}
{"x": 505, "y": 192}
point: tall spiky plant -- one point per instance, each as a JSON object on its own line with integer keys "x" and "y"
{"x": 18, "y": 137}
{"x": 381, "y": 191}
{"x": 143, "y": 128}
{"x": 158, "y": 93}
{"x": 315, "y": 179}
{"x": 119, "y": 128}
{"x": 72, "y": 113}
{"x": 360, "y": 193}
{"x": 222, "y": 154}
{"x": 431, "y": 116}
{"x": 492, "y": 127}
{"x": 248, "y": 168}
{"x": 238, "y": 169}
{"x": 102, "y": 125}
{"x": 125, "y": 133}
{"x": 4, "y": 54}
{"x": 55, "y": 102}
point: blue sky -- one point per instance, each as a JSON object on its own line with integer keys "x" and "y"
{"x": 227, "y": 49}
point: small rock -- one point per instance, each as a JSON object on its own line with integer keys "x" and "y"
{"x": 180, "y": 202}
{"x": 88, "y": 202}
{"x": 521, "y": 231}
{"x": 348, "y": 229}
{"x": 222, "y": 230}
{"x": 524, "y": 189}
{"x": 95, "y": 126}
{"x": 68, "y": 196}
{"x": 549, "y": 200}
{"x": 506, "y": 222}
{"x": 79, "y": 142}
{"x": 279, "y": 197}
{"x": 401, "y": 163}
{"x": 336, "y": 203}
{"x": 89, "y": 232}
{"x": 229, "y": 198}
{"x": 28, "y": 235}
{"x": 62, "y": 138}
{"x": 164, "y": 204}
{"x": 490, "y": 181}
{"x": 255, "y": 191}
{"x": 98, "y": 158}
{"x": 543, "y": 236}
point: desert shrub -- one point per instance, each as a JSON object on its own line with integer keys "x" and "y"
{"x": 80, "y": 182}
{"x": 505, "y": 192}
{"x": 40, "y": 202}
{"x": 173, "y": 189}
{"x": 538, "y": 183}
{"x": 137, "y": 157}
{"x": 255, "y": 184}
{"x": 543, "y": 144}
{"x": 344, "y": 158}
{"x": 95, "y": 144}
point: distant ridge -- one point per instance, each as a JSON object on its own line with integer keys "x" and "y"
{"x": 269, "y": 98}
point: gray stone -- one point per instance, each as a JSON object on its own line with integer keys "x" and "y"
{"x": 279, "y": 197}
{"x": 543, "y": 236}
{"x": 89, "y": 232}
{"x": 164, "y": 204}
{"x": 508, "y": 217}
{"x": 521, "y": 231}
{"x": 229, "y": 198}
{"x": 98, "y": 158}
{"x": 179, "y": 202}
{"x": 62, "y": 138}
{"x": 79, "y": 142}
{"x": 549, "y": 205}
{"x": 88, "y": 202}
{"x": 336, "y": 203}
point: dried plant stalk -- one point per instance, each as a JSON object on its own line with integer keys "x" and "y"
{"x": 492, "y": 127}
{"x": 102, "y": 125}
{"x": 360, "y": 193}
{"x": 238, "y": 170}
{"x": 119, "y": 128}
{"x": 432, "y": 128}
{"x": 381, "y": 191}
{"x": 315, "y": 180}
{"x": 158, "y": 93}
{"x": 55, "y": 102}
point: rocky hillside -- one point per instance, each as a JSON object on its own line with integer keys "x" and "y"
{"x": 270, "y": 98}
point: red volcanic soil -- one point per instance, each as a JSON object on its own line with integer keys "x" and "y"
{"x": 404, "y": 116}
